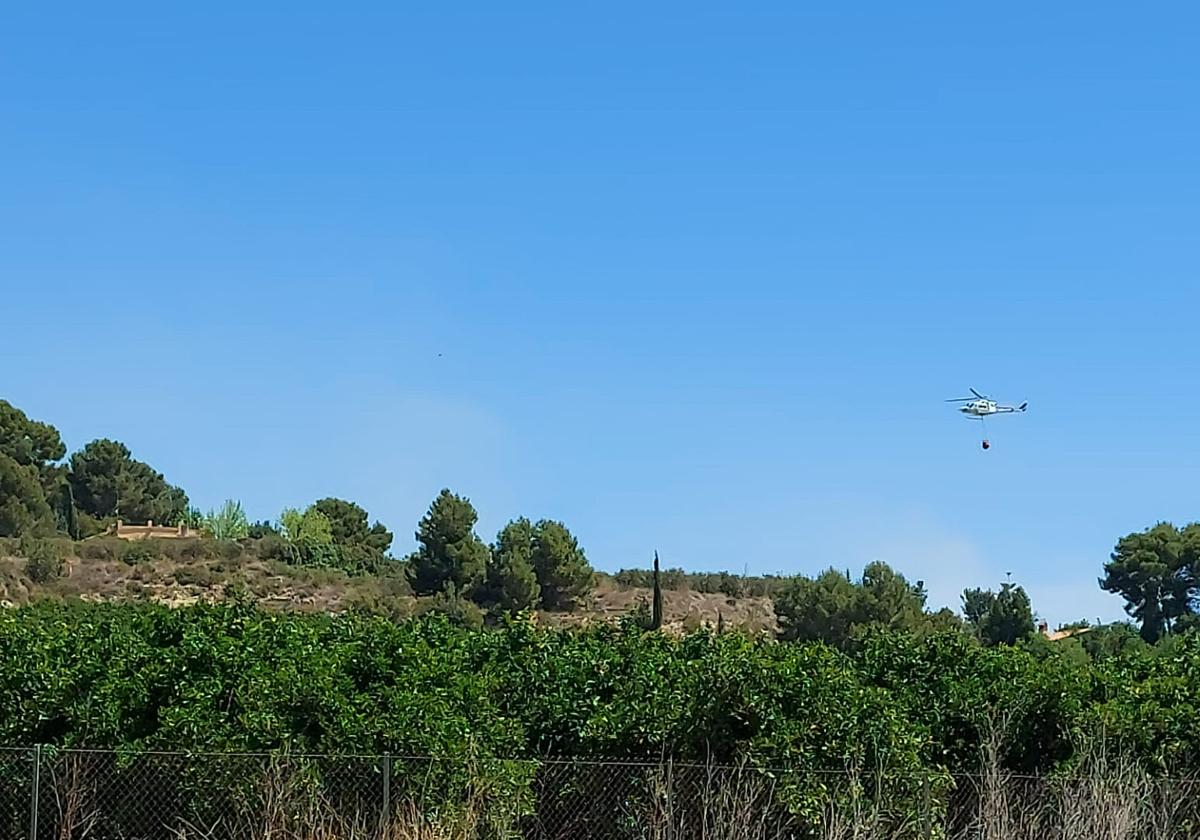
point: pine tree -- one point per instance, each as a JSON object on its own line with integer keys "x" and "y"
{"x": 562, "y": 569}
{"x": 449, "y": 551}
{"x": 511, "y": 583}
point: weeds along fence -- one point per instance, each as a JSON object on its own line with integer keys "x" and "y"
{"x": 50, "y": 794}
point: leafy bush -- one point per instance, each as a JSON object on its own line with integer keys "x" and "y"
{"x": 196, "y": 576}
{"x": 391, "y": 598}
{"x": 457, "y": 610}
{"x": 91, "y": 526}
{"x": 231, "y": 677}
{"x": 228, "y": 522}
{"x": 263, "y": 528}
{"x": 228, "y": 550}
{"x": 724, "y": 583}
{"x": 43, "y": 559}
{"x": 273, "y": 547}
{"x": 106, "y": 549}
{"x": 23, "y": 506}
{"x": 191, "y": 550}
{"x": 140, "y": 551}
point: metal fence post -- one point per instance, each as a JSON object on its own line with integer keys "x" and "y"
{"x": 671, "y": 796}
{"x": 34, "y": 794}
{"x": 926, "y": 809}
{"x": 387, "y": 791}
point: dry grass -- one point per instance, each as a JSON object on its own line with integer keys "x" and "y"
{"x": 181, "y": 582}
{"x": 190, "y": 576}
{"x": 288, "y": 808}
{"x": 1107, "y": 800}
{"x": 733, "y": 804}
{"x": 683, "y": 609}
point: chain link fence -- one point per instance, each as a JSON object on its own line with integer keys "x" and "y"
{"x": 48, "y": 794}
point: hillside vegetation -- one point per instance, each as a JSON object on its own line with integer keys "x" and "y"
{"x": 236, "y": 677}
{"x": 183, "y": 572}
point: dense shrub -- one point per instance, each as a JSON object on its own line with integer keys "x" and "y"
{"x": 724, "y": 583}
{"x": 104, "y": 549}
{"x": 141, "y": 551}
{"x": 273, "y": 547}
{"x": 43, "y": 559}
{"x": 233, "y": 677}
{"x": 196, "y": 576}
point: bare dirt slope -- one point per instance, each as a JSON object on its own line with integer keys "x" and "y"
{"x": 179, "y": 582}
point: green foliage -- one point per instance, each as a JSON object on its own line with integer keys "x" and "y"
{"x": 449, "y": 551}
{"x": 29, "y": 481}
{"x": 348, "y": 523}
{"x": 28, "y": 442}
{"x": 108, "y": 483}
{"x": 511, "y": 584}
{"x": 944, "y": 620}
{"x": 999, "y": 618}
{"x": 825, "y": 608}
{"x": 674, "y": 580}
{"x": 30, "y": 498}
{"x": 23, "y": 507}
{"x": 638, "y": 618}
{"x": 309, "y": 539}
{"x": 352, "y": 545}
{"x": 562, "y": 569}
{"x": 102, "y": 549}
{"x": 456, "y": 609}
{"x": 310, "y": 526}
{"x": 656, "y": 604}
{"x": 262, "y": 529}
{"x": 43, "y": 560}
{"x": 65, "y": 514}
{"x": 388, "y": 596}
{"x": 136, "y": 552}
{"x": 957, "y": 694}
{"x": 228, "y": 522}
{"x": 1115, "y": 641}
{"x": 89, "y": 526}
{"x": 231, "y": 677}
{"x": 724, "y": 583}
{"x": 833, "y": 608}
{"x": 1157, "y": 572}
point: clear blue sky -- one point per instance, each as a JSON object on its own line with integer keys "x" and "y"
{"x": 699, "y": 276}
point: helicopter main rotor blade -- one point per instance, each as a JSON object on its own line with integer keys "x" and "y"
{"x": 977, "y": 394}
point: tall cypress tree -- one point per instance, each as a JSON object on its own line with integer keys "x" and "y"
{"x": 65, "y": 513}
{"x": 656, "y": 610}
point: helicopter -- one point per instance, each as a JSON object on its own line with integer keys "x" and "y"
{"x": 978, "y": 407}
